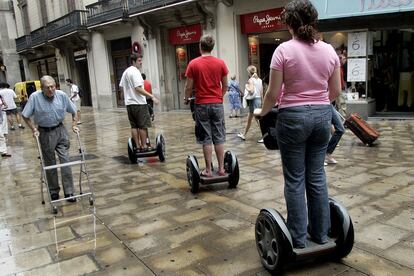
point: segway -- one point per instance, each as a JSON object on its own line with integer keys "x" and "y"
{"x": 195, "y": 178}
{"x": 159, "y": 150}
{"x": 273, "y": 239}
{"x": 274, "y": 242}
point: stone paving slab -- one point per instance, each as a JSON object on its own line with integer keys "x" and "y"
{"x": 149, "y": 223}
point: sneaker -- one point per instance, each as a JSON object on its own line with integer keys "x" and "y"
{"x": 330, "y": 160}
{"x": 54, "y": 196}
{"x": 21, "y": 126}
{"x": 241, "y": 135}
{"x": 5, "y": 155}
{"x": 12, "y": 128}
{"x": 79, "y": 123}
{"x": 260, "y": 141}
{"x": 325, "y": 164}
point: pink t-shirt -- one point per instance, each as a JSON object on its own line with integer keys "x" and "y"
{"x": 306, "y": 71}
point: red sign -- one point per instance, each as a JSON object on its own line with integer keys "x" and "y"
{"x": 185, "y": 35}
{"x": 262, "y": 22}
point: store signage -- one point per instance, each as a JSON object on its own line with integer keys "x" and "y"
{"x": 79, "y": 53}
{"x": 262, "y": 22}
{"x": 329, "y": 9}
{"x": 357, "y": 44}
{"x": 185, "y": 35}
{"x": 357, "y": 69}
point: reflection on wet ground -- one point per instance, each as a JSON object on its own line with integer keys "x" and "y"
{"x": 147, "y": 222}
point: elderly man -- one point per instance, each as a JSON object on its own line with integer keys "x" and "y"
{"x": 48, "y": 108}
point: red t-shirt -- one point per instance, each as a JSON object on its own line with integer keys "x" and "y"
{"x": 147, "y": 86}
{"x": 207, "y": 72}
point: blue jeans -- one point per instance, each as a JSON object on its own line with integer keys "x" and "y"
{"x": 303, "y": 134}
{"x": 339, "y": 131}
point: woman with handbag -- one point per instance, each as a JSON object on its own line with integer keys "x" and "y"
{"x": 253, "y": 92}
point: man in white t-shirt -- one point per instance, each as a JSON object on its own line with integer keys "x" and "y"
{"x": 75, "y": 98}
{"x": 135, "y": 95}
{"x": 3, "y": 146}
{"x": 8, "y": 96}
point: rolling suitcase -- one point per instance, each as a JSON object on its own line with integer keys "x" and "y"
{"x": 361, "y": 129}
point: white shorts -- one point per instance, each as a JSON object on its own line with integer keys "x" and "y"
{"x": 77, "y": 104}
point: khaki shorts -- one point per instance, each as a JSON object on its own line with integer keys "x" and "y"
{"x": 139, "y": 116}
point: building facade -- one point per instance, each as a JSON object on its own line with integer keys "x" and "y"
{"x": 9, "y": 59}
{"x": 90, "y": 42}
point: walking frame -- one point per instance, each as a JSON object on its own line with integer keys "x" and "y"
{"x": 83, "y": 171}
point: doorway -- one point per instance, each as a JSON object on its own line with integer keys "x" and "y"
{"x": 184, "y": 54}
{"x": 121, "y": 52}
{"x": 82, "y": 69}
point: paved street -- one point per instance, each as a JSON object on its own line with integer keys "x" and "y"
{"x": 148, "y": 223}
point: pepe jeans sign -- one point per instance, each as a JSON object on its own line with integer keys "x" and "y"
{"x": 185, "y": 35}
{"x": 261, "y": 22}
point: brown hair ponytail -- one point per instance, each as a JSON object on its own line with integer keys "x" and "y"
{"x": 301, "y": 16}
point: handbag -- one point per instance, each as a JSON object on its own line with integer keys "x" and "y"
{"x": 244, "y": 101}
{"x": 268, "y": 128}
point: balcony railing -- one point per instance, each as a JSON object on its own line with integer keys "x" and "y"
{"x": 106, "y": 10}
{"x": 136, "y": 6}
{"x": 73, "y": 21}
{"x": 38, "y": 36}
{"x": 23, "y": 43}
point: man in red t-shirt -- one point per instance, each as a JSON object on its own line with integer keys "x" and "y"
{"x": 150, "y": 102}
{"x": 208, "y": 75}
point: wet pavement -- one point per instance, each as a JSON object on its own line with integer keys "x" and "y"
{"x": 147, "y": 222}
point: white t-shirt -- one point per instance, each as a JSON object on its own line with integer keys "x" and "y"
{"x": 8, "y": 97}
{"x": 74, "y": 89}
{"x": 131, "y": 79}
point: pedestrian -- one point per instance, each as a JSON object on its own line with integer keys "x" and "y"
{"x": 338, "y": 131}
{"x": 208, "y": 75}
{"x": 11, "y": 110}
{"x": 48, "y": 108}
{"x": 75, "y": 98}
{"x": 308, "y": 68}
{"x": 150, "y": 102}
{"x": 3, "y": 146}
{"x": 253, "y": 95}
{"x": 132, "y": 84}
{"x": 234, "y": 97}
{"x": 340, "y": 101}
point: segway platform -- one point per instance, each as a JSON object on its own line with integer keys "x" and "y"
{"x": 275, "y": 246}
{"x": 159, "y": 150}
{"x": 195, "y": 178}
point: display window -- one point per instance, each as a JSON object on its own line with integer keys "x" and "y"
{"x": 389, "y": 68}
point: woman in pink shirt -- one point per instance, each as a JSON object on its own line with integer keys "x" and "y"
{"x": 308, "y": 68}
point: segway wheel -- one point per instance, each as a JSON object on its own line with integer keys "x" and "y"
{"x": 131, "y": 151}
{"x": 342, "y": 230}
{"x": 192, "y": 176}
{"x": 161, "y": 147}
{"x": 269, "y": 242}
{"x": 231, "y": 166}
{"x": 91, "y": 201}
